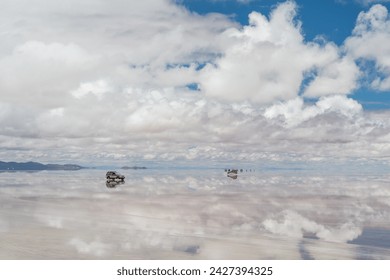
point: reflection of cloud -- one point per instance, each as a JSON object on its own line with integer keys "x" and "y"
{"x": 193, "y": 214}
{"x": 294, "y": 225}
{"x": 321, "y": 250}
{"x": 95, "y": 248}
{"x": 54, "y": 221}
{"x": 3, "y": 226}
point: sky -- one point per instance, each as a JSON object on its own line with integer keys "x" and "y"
{"x": 111, "y": 82}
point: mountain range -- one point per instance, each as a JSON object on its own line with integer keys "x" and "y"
{"x": 133, "y": 167}
{"x": 32, "y": 166}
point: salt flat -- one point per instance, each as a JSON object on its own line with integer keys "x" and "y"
{"x": 194, "y": 214}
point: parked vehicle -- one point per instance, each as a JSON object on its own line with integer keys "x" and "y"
{"x": 114, "y": 176}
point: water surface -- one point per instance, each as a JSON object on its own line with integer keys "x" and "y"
{"x": 194, "y": 214}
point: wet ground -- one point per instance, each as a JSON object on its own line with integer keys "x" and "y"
{"x": 187, "y": 214}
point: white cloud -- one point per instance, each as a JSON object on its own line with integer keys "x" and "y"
{"x": 101, "y": 82}
{"x": 370, "y": 2}
{"x": 37, "y": 74}
{"x": 295, "y": 112}
{"x": 97, "y": 88}
{"x": 370, "y": 41}
{"x": 270, "y": 59}
{"x": 337, "y": 77}
{"x": 124, "y": 42}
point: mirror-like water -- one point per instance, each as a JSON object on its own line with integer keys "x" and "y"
{"x": 181, "y": 214}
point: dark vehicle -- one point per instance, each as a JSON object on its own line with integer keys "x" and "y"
{"x": 114, "y": 176}
{"x": 232, "y": 173}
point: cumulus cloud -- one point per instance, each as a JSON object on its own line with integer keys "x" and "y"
{"x": 369, "y": 41}
{"x": 100, "y": 82}
{"x": 295, "y": 111}
{"x": 270, "y": 60}
{"x": 47, "y": 56}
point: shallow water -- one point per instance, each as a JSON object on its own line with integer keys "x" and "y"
{"x": 187, "y": 214}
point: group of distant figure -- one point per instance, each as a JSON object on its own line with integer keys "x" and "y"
{"x": 241, "y": 170}
{"x": 233, "y": 173}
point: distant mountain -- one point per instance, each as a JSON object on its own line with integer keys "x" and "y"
{"x": 32, "y": 166}
{"x": 133, "y": 167}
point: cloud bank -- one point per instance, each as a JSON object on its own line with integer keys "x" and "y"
{"x": 129, "y": 81}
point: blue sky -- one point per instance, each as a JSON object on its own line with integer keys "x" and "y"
{"x": 146, "y": 82}
{"x": 332, "y": 19}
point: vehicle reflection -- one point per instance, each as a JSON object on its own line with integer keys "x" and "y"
{"x": 113, "y": 184}
{"x": 232, "y": 176}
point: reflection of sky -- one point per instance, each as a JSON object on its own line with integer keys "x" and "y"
{"x": 194, "y": 214}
